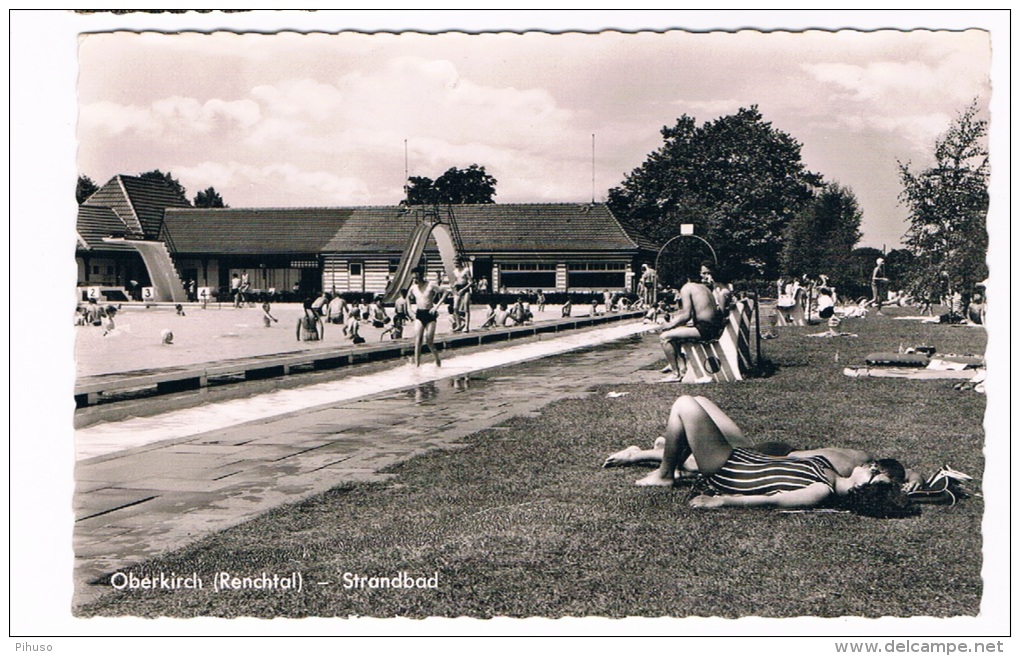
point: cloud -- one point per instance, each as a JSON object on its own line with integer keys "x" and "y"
{"x": 175, "y": 117}
{"x": 877, "y": 80}
{"x": 281, "y": 185}
{"x": 104, "y": 118}
{"x": 707, "y": 110}
{"x": 912, "y": 101}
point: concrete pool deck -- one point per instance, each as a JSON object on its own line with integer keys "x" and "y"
{"x": 150, "y": 485}
{"x": 171, "y": 371}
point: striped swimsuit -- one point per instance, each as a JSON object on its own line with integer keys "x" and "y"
{"x": 750, "y": 472}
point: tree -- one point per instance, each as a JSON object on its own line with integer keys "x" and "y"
{"x": 86, "y": 187}
{"x": 899, "y": 263}
{"x": 740, "y": 179}
{"x": 455, "y": 187}
{"x": 820, "y": 238}
{"x": 209, "y": 198}
{"x": 167, "y": 178}
{"x": 948, "y": 205}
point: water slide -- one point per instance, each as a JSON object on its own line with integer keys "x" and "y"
{"x": 167, "y": 286}
{"x": 412, "y": 255}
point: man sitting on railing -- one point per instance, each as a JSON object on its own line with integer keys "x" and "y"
{"x": 698, "y": 307}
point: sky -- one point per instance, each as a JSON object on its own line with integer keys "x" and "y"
{"x": 285, "y": 119}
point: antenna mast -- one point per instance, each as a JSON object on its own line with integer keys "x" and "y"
{"x": 407, "y": 191}
{"x": 592, "y": 169}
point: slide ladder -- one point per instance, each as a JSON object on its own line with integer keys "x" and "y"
{"x": 429, "y": 222}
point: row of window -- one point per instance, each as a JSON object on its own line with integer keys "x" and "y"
{"x": 575, "y": 279}
{"x": 355, "y": 268}
{"x": 571, "y": 266}
{"x": 541, "y": 275}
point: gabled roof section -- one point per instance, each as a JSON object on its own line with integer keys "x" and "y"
{"x": 532, "y": 228}
{"x": 644, "y": 242}
{"x": 94, "y": 223}
{"x": 138, "y": 202}
{"x": 262, "y": 231}
{"x": 514, "y": 228}
{"x": 150, "y": 198}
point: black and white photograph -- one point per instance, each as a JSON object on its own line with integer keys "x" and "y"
{"x": 551, "y": 323}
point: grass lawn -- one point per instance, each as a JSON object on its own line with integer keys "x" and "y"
{"x": 524, "y": 522}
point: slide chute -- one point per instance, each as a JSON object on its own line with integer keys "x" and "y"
{"x": 446, "y": 237}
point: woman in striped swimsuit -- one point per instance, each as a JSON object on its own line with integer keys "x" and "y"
{"x": 701, "y": 436}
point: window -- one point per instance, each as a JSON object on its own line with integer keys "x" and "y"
{"x": 596, "y": 266}
{"x": 394, "y": 264}
{"x": 528, "y": 275}
{"x": 527, "y": 266}
{"x": 355, "y": 269}
{"x": 596, "y": 275}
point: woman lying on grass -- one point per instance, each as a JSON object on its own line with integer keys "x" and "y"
{"x": 701, "y": 437}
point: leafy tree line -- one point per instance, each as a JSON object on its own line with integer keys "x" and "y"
{"x": 208, "y": 197}
{"x": 738, "y": 179}
{"x": 455, "y": 187}
{"x": 948, "y": 206}
{"x": 821, "y": 239}
{"x": 742, "y": 184}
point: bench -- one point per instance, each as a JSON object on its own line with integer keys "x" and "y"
{"x": 727, "y": 358}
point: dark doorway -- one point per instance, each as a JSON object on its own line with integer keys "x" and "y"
{"x": 481, "y": 269}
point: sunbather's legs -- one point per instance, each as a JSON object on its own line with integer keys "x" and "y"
{"x": 690, "y": 429}
{"x": 727, "y": 426}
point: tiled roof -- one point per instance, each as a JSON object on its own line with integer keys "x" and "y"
{"x": 483, "y": 228}
{"x": 94, "y": 223}
{"x": 150, "y": 198}
{"x": 646, "y": 243}
{"x": 262, "y": 231}
{"x": 138, "y": 202}
{"x": 494, "y": 228}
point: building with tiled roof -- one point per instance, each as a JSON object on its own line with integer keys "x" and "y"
{"x": 129, "y": 207}
{"x": 553, "y": 246}
{"x": 557, "y": 246}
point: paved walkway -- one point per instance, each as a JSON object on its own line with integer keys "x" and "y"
{"x": 135, "y": 502}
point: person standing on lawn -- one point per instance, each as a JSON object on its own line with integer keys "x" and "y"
{"x": 879, "y": 282}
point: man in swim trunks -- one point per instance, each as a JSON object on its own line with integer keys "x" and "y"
{"x": 697, "y": 307}
{"x": 879, "y": 281}
{"x": 462, "y": 282}
{"x": 427, "y": 297}
{"x": 721, "y": 291}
